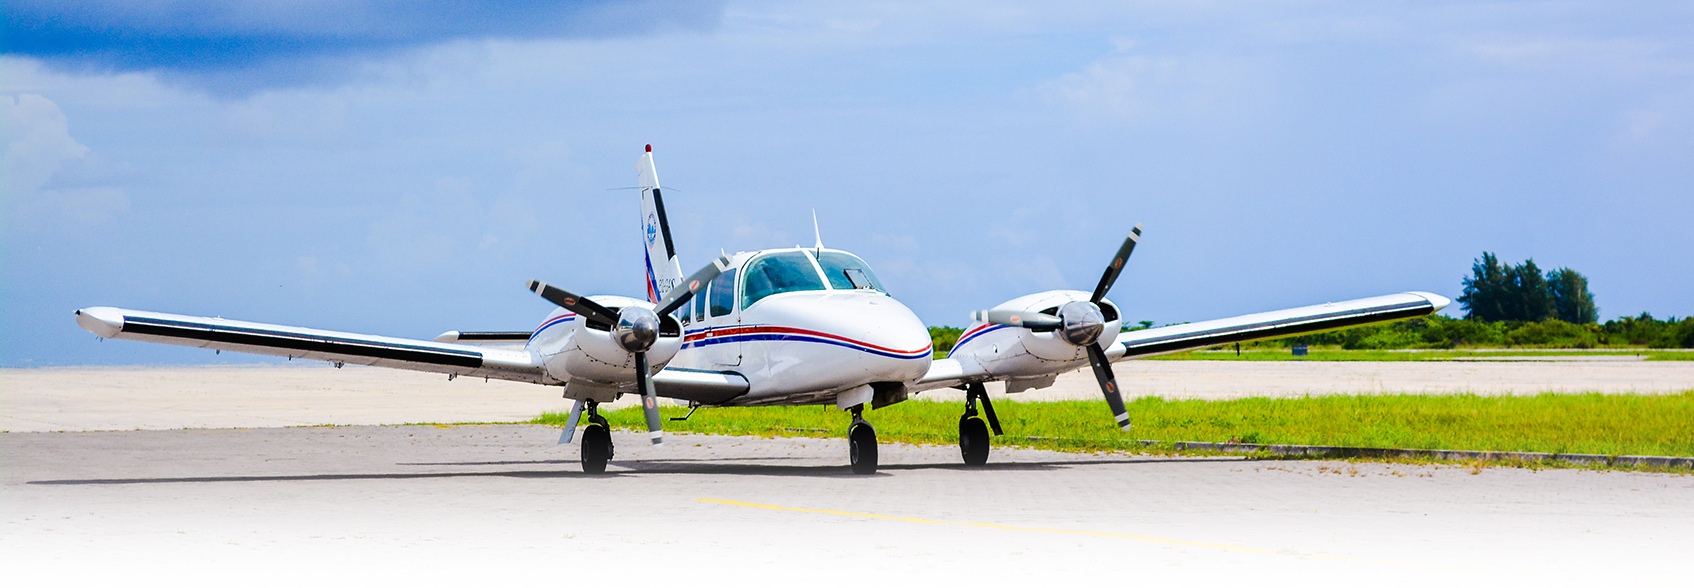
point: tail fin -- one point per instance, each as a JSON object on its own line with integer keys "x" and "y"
{"x": 663, "y": 270}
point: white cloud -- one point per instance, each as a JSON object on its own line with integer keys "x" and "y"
{"x": 1133, "y": 84}
{"x": 48, "y": 174}
{"x": 288, "y": 117}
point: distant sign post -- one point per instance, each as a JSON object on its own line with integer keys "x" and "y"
{"x": 1299, "y": 351}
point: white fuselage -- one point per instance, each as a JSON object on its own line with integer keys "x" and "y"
{"x": 794, "y": 347}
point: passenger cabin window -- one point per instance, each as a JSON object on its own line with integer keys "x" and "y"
{"x": 723, "y": 294}
{"x": 789, "y": 271}
{"x": 847, "y": 272}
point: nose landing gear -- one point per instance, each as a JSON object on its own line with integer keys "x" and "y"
{"x": 861, "y": 443}
{"x": 973, "y": 434}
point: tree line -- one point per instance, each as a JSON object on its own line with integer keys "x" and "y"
{"x": 1496, "y": 293}
{"x": 1514, "y": 306}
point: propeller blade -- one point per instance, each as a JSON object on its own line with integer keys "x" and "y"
{"x": 1116, "y": 268}
{"x": 1108, "y": 385}
{"x": 693, "y": 285}
{"x": 1033, "y": 321}
{"x": 589, "y": 309}
{"x": 649, "y": 401}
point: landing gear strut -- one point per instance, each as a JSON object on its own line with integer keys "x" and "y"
{"x": 973, "y": 433}
{"x": 861, "y": 443}
{"x": 596, "y": 442}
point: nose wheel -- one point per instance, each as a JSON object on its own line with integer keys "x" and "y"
{"x": 861, "y": 444}
{"x": 973, "y": 432}
{"x": 596, "y": 442}
{"x": 973, "y": 440}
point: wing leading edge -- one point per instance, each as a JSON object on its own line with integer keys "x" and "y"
{"x": 1276, "y": 324}
{"x": 296, "y": 342}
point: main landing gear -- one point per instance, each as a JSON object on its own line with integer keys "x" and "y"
{"x": 596, "y": 441}
{"x": 973, "y": 433}
{"x": 861, "y": 443}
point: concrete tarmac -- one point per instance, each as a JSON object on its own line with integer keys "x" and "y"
{"x": 311, "y": 393}
{"x": 479, "y": 505}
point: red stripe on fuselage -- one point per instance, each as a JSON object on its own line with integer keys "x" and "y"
{"x": 734, "y": 331}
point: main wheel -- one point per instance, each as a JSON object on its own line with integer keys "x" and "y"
{"x": 861, "y": 448}
{"x": 973, "y": 440}
{"x": 596, "y": 449}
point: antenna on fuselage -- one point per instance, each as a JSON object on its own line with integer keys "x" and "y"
{"x": 815, "y": 231}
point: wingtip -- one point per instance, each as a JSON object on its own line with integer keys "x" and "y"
{"x": 104, "y": 321}
{"x": 1438, "y": 301}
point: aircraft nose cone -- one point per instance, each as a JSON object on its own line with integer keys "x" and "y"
{"x": 891, "y": 327}
{"x": 883, "y": 336}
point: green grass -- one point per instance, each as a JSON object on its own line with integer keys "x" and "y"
{"x": 1618, "y": 424}
{"x": 1410, "y": 355}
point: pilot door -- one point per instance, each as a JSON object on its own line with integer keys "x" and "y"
{"x": 721, "y": 346}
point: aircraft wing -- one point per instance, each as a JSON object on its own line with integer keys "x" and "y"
{"x": 1306, "y": 320}
{"x": 1275, "y": 324}
{"x": 296, "y": 342}
{"x": 485, "y": 337}
{"x": 946, "y": 373}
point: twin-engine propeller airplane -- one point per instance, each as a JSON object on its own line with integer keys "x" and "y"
{"x": 800, "y": 326}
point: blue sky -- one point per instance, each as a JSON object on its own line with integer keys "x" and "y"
{"x": 403, "y": 168}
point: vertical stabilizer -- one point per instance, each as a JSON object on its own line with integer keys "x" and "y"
{"x": 663, "y": 270}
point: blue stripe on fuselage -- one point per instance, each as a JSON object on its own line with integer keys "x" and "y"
{"x": 562, "y": 319}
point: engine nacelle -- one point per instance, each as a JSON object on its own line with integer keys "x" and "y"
{"x": 593, "y": 352}
{"x": 1052, "y": 345}
{"x": 1021, "y": 353}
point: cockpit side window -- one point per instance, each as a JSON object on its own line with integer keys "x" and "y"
{"x": 698, "y": 305}
{"x": 723, "y": 294}
{"x": 789, "y": 271}
{"x": 847, "y": 272}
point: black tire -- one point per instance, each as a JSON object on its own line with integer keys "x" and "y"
{"x": 861, "y": 448}
{"x": 973, "y": 441}
{"x": 596, "y": 449}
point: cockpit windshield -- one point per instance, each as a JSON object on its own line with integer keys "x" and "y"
{"x": 847, "y": 272}
{"x": 789, "y": 271}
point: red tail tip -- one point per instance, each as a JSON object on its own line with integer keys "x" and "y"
{"x": 649, "y": 148}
